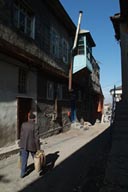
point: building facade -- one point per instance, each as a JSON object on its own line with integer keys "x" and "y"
{"x": 35, "y": 39}
{"x": 35, "y": 44}
{"x": 117, "y": 93}
{"x": 120, "y": 24}
{"x": 86, "y": 73}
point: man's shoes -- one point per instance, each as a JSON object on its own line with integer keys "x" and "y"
{"x": 22, "y": 176}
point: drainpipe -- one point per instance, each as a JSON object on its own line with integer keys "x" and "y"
{"x": 72, "y": 94}
{"x": 73, "y": 51}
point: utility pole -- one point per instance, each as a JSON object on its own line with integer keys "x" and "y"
{"x": 73, "y": 51}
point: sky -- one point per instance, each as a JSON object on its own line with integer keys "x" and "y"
{"x": 96, "y": 19}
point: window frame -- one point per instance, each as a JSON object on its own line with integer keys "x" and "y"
{"x": 50, "y": 90}
{"x": 59, "y": 91}
{"x": 21, "y": 8}
{"x": 65, "y": 51}
{"x": 81, "y": 46}
{"x": 55, "y": 39}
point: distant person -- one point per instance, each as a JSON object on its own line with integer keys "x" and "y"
{"x": 29, "y": 142}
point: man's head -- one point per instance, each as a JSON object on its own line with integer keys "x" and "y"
{"x": 32, "y": 116}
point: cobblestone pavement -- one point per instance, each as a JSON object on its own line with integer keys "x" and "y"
{"x": 75, "y": 162}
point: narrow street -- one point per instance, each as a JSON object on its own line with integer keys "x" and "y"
{"x": 75, "y": 161}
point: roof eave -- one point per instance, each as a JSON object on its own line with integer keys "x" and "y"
{"x": 89, "y": 36}
{"x": 63, "y": 16}
{"x": 116, "y": 25}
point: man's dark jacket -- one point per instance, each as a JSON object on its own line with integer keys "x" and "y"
{"x": 29, "y": 138}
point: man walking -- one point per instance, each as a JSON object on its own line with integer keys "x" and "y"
{"x": 29, "y": 142}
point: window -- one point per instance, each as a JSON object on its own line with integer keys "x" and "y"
{"x": 59, "y": 92}
{"x": 59, "y": 46}
{"x": 80, "y": 46}
{"x": 24, "y": 19}
{"x": 50, "y": 90}
{"x": 64, "y": 51}
{"x": 22, "y": 81}
{"x": 54, "y": 43}
{"x": 89, "y": 55}
{"x": 89, "y": 48}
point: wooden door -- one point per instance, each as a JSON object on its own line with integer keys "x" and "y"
{"x": 24, "y": 107}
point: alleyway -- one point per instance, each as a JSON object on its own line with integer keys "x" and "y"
{"x": 76, "y": 161}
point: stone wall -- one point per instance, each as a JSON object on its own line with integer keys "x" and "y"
{"x": 51, "y": 121}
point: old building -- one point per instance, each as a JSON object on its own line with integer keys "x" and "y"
{"x": 35, "y": 39}
{"x": 86, "y": 72}
{"x": 117, "y": 161}
{"x": 117, "y": 93}
{"x": 120, "y": 24}
{"x": 35, "y": 44}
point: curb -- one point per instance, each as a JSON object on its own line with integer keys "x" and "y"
{"x": 9, "y": 153}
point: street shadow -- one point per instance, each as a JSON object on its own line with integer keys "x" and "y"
{"x": 83, "y": 170}
{"x": 50, "y": 162}
{"x": 3, "y": 179}
{"x": 30, "y": 168}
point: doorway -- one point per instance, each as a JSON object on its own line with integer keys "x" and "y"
{"x": 23, "y": 108}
